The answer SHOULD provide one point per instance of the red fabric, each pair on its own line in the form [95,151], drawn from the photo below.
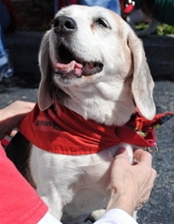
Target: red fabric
[143,128]
[19,203]
[5,141]
[60,130]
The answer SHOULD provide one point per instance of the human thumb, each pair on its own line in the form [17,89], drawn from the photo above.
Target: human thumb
[122,152]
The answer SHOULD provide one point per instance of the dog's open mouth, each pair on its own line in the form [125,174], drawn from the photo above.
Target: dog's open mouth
[68,64]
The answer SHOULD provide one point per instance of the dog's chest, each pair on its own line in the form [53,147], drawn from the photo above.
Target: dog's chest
[75,180]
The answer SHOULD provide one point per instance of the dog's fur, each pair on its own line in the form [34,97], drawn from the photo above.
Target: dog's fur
[78,185]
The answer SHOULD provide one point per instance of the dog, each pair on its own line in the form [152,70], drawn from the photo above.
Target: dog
[94,77]
[155,12]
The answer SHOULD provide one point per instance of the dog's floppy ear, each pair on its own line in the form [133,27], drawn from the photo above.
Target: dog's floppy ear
[142,83]
[44,98]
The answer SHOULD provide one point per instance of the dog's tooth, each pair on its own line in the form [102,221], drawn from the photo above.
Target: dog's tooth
[91,65]
[85,64]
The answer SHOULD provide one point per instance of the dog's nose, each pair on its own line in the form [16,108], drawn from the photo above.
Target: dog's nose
[64,24]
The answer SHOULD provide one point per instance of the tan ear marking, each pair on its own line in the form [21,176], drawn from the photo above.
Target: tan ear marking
[44,98]
[142,83]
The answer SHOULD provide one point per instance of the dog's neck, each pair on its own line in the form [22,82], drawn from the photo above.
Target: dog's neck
[101,105]
[103,112]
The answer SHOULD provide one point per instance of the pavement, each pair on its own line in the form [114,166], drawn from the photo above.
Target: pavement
[160,56]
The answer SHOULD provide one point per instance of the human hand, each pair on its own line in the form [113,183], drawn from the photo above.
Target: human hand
[131,185]
[11,116]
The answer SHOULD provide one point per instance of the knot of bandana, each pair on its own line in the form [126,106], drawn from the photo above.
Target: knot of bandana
[140,131]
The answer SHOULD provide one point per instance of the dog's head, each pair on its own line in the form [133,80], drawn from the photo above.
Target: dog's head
[93,56]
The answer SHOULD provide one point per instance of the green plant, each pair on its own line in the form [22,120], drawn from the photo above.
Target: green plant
[162,29]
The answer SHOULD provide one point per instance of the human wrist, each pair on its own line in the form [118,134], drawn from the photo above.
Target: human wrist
[3,128]
[6,123]
[122,200]
[4,115]
[2,112]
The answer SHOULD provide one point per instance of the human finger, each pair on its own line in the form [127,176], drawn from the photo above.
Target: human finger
[143,156]
[13,133]
[121,157]
[119,166]
[120,150]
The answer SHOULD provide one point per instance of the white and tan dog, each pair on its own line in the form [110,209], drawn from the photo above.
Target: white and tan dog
[94,65]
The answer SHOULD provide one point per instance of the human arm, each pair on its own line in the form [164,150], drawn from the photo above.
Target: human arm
[123,201]
[21,204]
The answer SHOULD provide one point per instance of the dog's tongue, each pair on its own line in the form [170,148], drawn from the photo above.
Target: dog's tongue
[72,66]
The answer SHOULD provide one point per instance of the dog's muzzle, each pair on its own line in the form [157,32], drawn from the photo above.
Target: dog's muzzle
[64,24]
[68,64]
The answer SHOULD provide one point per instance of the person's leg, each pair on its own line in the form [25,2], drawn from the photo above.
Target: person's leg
[2,47]
[5,21]
[4,16]
[5,65]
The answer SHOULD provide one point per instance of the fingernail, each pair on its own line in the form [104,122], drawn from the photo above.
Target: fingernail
[120,150]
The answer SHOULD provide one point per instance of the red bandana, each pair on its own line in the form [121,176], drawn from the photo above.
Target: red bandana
[60,130]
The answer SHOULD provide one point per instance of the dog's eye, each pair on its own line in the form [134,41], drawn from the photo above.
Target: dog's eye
[102,22]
